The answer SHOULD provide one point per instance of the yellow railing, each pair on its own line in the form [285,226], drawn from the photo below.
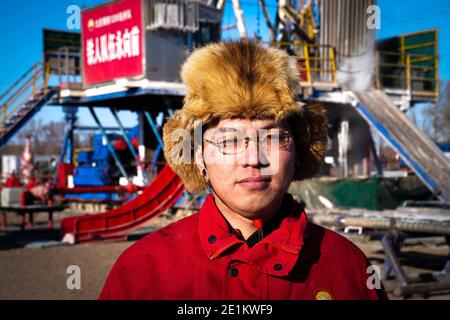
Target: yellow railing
[66,66]
[315,63]
[26,88]
[407,71]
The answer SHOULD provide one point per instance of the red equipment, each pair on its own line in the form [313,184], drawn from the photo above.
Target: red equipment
[12,181]
[159,196]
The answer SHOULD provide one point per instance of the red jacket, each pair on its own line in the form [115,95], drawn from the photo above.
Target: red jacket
[199,257]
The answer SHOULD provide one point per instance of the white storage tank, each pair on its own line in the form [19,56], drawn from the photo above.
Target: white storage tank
[10,164]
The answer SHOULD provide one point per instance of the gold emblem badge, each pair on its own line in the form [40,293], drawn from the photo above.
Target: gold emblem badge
[323,295]
[90,24]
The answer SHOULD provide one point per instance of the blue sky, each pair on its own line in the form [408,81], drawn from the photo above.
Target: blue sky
[22,23]
[397,17]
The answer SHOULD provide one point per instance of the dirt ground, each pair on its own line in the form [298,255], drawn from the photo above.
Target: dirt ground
[34,267]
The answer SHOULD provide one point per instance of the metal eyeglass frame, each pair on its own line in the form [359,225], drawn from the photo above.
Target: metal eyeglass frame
[287,133]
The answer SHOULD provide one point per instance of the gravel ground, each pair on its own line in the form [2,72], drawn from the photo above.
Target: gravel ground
[38,272]
[41,273]
[33,264]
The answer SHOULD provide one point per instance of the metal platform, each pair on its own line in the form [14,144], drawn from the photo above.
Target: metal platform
[123,93]
[392,228]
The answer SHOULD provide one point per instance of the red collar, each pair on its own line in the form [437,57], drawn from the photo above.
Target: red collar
[280,248]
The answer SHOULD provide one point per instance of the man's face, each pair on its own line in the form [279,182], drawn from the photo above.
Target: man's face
[251,177]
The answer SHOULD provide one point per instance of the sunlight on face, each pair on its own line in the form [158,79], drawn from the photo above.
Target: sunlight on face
[249,176]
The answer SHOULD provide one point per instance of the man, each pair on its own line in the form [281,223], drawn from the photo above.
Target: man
[242,135]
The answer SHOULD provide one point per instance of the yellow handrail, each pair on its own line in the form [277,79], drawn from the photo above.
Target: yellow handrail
[403,69]
[46,77]
[333,66]
[308,67]
[317,62]
[408,73]
[24,89]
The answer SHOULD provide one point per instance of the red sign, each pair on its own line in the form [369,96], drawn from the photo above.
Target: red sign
[112,41]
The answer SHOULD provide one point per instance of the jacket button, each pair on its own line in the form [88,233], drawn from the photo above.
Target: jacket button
[212,239]
[278,267]
[233,272]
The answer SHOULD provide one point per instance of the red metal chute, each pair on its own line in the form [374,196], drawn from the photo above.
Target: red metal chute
[159,196]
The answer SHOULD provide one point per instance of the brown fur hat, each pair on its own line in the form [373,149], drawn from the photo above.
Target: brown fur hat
[242,79]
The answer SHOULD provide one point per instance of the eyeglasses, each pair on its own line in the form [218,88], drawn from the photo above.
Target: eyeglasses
[234,143]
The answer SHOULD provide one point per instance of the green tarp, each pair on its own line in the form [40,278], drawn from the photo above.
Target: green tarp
[373,193]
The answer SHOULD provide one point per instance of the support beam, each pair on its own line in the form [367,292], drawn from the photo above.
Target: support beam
[190,42]
[153,127]
[220,4]
[125,136]
[70,116]
[283,23]
[291,15]
[108,143]
[267,18]
[87,128]
[239,14]
[421,288]
[377,161]
[388,243]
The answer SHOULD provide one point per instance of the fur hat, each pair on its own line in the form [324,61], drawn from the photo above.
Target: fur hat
[242,79]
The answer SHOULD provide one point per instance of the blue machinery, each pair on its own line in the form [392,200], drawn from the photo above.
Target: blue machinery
[108,143]
[94,167]
[125,136]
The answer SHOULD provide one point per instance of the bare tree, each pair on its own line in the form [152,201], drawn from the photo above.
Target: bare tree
[45,138]
[440,115]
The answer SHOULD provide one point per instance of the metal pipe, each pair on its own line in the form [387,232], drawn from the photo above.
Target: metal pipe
[130,188]
[378,163]
[124,134]
[239,14]
[262,4]
[154,128]
[426,287]
[64,149]
[87,128]
[67,151]
[190,42]
[155,157]
[108,143]
[387,243]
